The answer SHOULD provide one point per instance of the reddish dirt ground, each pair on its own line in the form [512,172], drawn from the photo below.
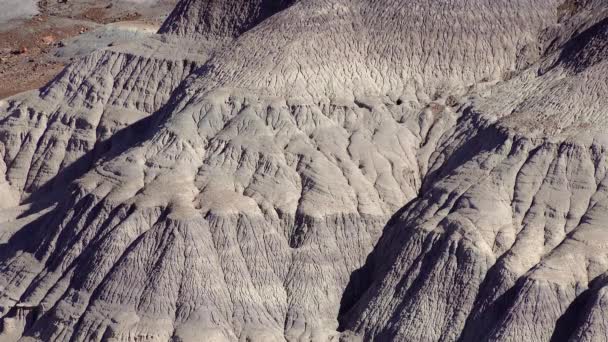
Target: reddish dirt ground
[25,45]
[23,50]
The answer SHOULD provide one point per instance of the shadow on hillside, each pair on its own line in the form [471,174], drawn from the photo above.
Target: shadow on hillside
[401,227]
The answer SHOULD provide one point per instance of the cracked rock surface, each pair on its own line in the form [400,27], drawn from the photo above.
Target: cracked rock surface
[316,170]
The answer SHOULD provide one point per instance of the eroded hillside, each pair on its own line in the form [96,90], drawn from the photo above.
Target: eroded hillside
[315,170]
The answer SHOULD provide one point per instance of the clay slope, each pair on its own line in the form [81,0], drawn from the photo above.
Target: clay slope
[219,19]
[506,241]
[175,190]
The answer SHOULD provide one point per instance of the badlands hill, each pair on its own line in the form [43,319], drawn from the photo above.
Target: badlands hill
[316,170]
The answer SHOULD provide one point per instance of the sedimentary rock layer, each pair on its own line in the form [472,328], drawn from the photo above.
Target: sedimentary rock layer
[316,170]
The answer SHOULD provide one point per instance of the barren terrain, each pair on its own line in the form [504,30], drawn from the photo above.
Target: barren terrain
[32,33]
[312,170]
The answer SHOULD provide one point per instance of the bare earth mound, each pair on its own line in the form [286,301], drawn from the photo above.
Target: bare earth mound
[316,170]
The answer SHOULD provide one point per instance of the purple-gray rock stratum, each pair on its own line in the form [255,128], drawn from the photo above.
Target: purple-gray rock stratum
[316,170]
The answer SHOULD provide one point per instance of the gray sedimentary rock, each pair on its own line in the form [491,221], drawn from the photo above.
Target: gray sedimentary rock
[508,241]
[228,179]
[220,19]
